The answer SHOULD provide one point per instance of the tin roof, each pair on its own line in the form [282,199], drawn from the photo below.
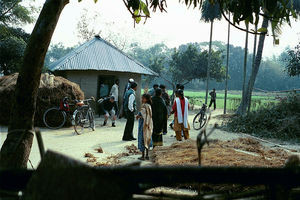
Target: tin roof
[98,54]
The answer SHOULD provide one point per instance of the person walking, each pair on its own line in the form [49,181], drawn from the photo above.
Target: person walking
[213,97]
[159,115]
[167,100]
[145,126]
[180,110]
[152,90]
[129,109]
[109,108]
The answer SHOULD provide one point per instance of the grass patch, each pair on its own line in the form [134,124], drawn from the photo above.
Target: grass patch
[281,120]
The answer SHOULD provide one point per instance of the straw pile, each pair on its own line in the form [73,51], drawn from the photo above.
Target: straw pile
[239,152]
[49,95]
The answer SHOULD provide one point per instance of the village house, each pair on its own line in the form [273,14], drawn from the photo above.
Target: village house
[96,64]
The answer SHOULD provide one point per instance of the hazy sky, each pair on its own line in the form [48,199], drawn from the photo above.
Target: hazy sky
[180,25]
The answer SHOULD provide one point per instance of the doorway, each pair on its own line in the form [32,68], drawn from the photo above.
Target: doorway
[104,85]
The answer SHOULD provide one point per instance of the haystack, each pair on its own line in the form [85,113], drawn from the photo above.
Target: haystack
[51,92]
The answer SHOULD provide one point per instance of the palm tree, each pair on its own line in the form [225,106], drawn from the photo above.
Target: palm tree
[210,12]
[227,63]
[258,57]
[245,69]
[253,62]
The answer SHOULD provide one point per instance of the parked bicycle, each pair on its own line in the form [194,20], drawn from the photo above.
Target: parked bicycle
[201,118]
[82,117]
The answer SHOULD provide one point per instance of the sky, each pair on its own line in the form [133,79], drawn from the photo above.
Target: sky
[178,26]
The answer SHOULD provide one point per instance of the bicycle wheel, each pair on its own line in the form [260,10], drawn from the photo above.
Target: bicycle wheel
[92,120]
[199,120]
[54,118]
[79,122]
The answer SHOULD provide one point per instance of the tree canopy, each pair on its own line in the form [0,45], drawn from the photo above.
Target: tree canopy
[250,11]
[12,12]
[293,61]
[192,63]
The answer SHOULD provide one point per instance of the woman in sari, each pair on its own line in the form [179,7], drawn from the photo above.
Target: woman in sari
[145,126]
[160,114]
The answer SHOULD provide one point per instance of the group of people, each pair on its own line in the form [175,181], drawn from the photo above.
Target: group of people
[153,114]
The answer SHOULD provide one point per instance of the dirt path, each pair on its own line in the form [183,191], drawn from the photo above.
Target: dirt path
[109,138]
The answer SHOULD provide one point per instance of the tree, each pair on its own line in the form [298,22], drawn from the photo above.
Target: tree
[292,6]
[86,31]
[12,12]
[191,64]
[155,57]
[55,52]
[16,148]
[210,12]
[12,39]
[227,65]
[293,61]
[243,105]
[12,49]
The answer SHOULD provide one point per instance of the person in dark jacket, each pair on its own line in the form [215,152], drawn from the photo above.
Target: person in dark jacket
[109,108]
[159,115]
[213,97]
[152,90]
[129,109]
[167,100]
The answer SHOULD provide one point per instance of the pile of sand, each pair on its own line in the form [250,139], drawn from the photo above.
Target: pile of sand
[49,95]
[239,152]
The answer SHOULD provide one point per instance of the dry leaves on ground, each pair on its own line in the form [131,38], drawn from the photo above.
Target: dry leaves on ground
[239,152]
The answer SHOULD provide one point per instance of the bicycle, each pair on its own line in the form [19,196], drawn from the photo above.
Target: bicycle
[84,117]
[56,117]
[201,118]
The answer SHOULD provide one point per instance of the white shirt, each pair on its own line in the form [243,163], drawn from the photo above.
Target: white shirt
[115,92]
[131,101]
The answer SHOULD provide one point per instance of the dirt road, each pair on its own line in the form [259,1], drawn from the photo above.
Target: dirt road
[109,138]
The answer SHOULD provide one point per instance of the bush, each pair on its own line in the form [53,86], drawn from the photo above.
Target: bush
[281,120]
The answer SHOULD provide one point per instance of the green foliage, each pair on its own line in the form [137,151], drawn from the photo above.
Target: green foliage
[250,11]
[191,64]
[155,57]
[210,11]
[12,49]
[12,12]
[12,46]
[281,120]
[293,61]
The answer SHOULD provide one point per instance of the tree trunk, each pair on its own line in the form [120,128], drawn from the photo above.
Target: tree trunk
[243,106]
[254,72]
[209,58]
[253,62]
[17,146]
[227,65]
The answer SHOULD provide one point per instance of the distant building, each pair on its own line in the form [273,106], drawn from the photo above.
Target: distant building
[96,64]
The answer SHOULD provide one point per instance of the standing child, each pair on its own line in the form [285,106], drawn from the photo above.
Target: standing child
[145,126]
